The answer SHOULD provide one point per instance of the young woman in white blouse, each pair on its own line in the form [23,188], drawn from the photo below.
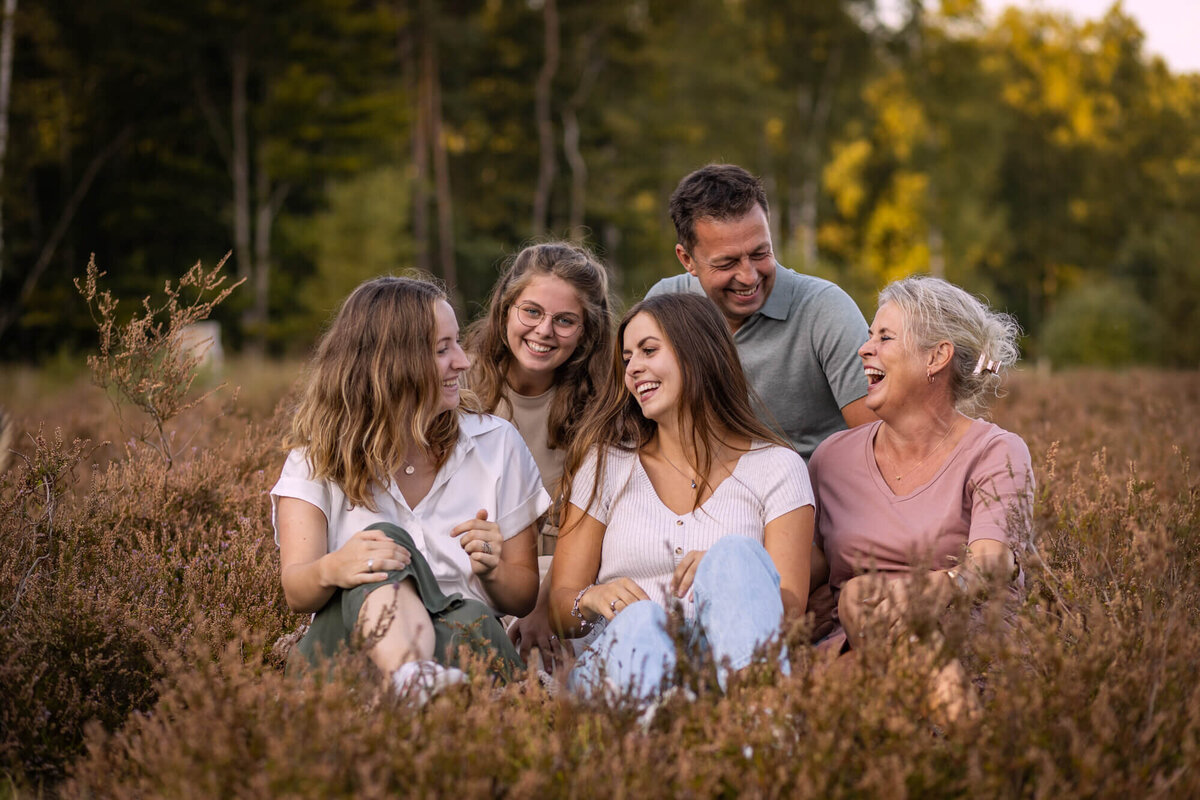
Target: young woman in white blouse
[400,515]
[678,494]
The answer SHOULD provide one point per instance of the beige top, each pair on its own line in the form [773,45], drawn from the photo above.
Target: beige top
[530,415]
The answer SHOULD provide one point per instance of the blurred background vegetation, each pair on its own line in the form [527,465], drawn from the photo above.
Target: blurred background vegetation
[1049,164]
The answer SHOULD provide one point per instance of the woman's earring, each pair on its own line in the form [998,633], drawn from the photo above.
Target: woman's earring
[929,374]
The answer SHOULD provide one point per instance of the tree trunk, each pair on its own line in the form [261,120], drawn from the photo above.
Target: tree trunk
[545,125]
[816,108]
[441,163]
[937,251]
[239,164]
[579,173]
[9,314]
[270,201]
[414,81]
[592,65]
[6,59]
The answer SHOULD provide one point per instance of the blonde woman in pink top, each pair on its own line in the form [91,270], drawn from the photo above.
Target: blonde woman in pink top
[929,485]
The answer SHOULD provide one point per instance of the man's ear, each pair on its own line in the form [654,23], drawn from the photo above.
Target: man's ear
[685,258]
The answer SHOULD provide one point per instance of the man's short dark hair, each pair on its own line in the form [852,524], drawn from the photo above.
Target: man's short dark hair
[718,191]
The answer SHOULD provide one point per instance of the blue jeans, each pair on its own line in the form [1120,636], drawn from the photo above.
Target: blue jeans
[738,611]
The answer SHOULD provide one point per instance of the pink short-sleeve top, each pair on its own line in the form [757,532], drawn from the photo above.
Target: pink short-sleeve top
[982,491]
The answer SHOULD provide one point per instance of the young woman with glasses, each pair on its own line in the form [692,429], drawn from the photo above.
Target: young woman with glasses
[539,355]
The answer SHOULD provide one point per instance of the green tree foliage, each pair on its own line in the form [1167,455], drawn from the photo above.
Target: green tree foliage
[1101,324]
[325,140]
[361,233]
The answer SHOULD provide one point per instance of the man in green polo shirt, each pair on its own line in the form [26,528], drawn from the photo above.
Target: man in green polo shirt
[798,336]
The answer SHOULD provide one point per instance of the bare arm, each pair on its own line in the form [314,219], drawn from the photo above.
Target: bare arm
[576,565]
[890,597]
[789,541]
[513,585]
[508,569]
[534,630]
[856,413]
[818,570]
[310,573]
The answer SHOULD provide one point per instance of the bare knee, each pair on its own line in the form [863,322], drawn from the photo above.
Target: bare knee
[395,626]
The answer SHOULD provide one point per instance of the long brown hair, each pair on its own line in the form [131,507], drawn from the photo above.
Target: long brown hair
[714,397]
[578,378]
[373,388]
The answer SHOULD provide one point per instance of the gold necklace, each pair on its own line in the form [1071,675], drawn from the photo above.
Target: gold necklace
[914,467]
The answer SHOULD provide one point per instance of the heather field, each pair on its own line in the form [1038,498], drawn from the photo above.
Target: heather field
[142,629]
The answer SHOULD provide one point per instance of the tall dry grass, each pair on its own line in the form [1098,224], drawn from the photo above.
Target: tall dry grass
[141,605]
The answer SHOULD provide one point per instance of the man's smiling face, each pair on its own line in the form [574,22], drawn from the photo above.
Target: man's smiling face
[734,262]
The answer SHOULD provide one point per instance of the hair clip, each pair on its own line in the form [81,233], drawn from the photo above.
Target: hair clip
[985,365]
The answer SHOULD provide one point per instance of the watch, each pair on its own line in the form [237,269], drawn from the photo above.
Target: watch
[958,579]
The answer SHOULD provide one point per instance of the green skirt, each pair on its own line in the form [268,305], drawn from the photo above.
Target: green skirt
[456,620]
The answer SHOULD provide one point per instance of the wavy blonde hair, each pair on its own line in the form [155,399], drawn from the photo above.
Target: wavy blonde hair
[373,389]
[579,377]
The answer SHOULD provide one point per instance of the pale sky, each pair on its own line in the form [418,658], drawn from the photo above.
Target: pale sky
[1172,27]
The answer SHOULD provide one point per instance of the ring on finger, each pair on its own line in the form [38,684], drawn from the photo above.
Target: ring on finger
[613,605]
[370,565]
[487,548]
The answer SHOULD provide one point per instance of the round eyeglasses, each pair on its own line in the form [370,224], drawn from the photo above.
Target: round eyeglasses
[531,315]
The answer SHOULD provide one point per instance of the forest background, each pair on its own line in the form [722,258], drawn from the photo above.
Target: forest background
[1049,164]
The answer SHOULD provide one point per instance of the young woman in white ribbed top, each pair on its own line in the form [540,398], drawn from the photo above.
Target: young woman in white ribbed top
[678,494]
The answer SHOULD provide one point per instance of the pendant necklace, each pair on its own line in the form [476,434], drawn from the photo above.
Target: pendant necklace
[409,469]
[913,468]
[677,469]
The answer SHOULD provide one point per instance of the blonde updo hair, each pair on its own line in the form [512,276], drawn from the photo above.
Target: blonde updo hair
[937,310]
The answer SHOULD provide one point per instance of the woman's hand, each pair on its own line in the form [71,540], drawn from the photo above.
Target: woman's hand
[534,633]
[685,573]
[482,541]
[366,557]
[608,599]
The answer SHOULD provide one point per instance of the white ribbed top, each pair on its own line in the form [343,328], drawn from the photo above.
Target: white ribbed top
[645,541]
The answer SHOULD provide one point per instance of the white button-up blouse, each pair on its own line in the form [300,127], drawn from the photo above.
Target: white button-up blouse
[490,468]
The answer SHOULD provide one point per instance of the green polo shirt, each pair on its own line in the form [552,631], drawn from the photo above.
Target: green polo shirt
[800,353]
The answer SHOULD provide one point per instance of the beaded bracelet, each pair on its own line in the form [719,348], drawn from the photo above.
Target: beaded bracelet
[576,613]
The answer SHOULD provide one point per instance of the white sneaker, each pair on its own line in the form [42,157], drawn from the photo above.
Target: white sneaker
[650,711]
[421,680]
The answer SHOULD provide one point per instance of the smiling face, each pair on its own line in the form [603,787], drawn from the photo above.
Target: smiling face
[538,350]
[451,360]
[652,373]
[895,370]
[734,263]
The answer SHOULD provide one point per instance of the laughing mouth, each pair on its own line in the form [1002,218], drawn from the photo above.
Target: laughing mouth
[745,293]
[874,375]
[540,349]
[644,389]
